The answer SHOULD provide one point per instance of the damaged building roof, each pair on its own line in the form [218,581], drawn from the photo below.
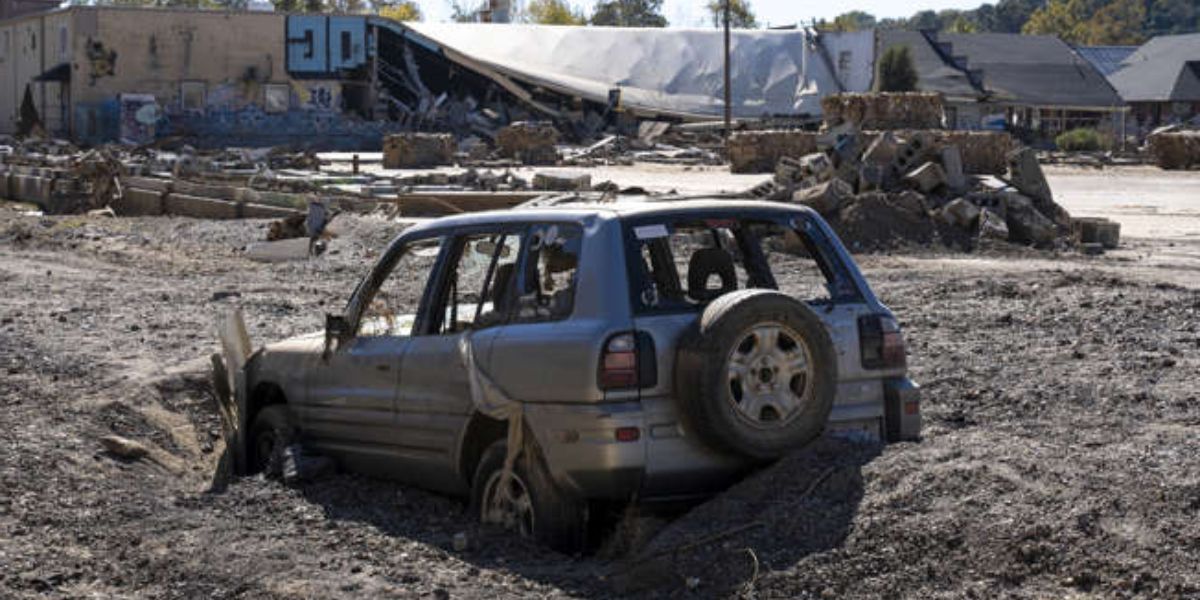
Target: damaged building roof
[936,73]
[1165,69]
[671,72]
[1039,70]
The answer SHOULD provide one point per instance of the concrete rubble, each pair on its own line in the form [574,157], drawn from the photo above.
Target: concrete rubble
[1175,149]
[916,187]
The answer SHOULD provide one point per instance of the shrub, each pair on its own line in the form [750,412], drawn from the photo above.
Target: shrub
[1080,140]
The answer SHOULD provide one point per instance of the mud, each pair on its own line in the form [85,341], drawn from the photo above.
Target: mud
[1061,454]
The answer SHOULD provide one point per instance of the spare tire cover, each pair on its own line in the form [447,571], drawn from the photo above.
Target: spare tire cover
[757,375]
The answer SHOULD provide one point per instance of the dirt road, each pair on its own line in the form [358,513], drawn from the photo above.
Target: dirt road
[1061,455]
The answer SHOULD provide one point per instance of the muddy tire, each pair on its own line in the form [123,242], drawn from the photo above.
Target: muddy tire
[757,376]
[540,508]
[269,435]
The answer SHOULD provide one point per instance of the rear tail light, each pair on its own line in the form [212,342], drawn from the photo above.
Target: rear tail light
[881,343]
[628,362]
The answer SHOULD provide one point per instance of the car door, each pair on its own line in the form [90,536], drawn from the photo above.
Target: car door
[351,410]
[434,401]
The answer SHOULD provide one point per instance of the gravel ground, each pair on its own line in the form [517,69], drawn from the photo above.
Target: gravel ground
[1061,455]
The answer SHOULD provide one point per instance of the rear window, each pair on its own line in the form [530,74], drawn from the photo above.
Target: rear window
[680,264]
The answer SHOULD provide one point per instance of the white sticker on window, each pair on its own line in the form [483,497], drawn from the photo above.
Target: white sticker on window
[650,232]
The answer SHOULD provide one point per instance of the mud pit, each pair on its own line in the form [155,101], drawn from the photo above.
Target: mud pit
[1061,454]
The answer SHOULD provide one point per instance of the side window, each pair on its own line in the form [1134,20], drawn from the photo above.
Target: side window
[550,273]
[393,309]
[791,257]
[478,284]
[686,265]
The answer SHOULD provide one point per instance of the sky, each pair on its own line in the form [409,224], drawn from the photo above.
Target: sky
[691,13]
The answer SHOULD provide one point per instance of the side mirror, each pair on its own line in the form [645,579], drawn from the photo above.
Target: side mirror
[337,329]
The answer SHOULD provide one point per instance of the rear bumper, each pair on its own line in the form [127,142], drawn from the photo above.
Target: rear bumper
[581,449]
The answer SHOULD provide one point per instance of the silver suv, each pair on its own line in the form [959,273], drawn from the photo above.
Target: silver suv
[644,351]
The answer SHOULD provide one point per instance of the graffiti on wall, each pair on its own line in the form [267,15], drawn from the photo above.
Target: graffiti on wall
[102,61]
[139,115]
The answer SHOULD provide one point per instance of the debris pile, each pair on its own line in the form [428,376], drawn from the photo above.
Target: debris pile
[531,142]
[892,189]
[886,110]
[1175,149]
[760,151]
[418,150]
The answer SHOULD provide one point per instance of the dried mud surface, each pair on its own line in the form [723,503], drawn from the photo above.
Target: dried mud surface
[1061,454]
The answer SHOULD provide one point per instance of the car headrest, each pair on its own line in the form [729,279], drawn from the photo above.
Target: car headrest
[705,263]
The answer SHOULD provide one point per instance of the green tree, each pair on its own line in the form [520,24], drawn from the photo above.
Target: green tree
[1119,23]
[741,16]
[925,20]
[629,13]
[405,10]
[962,24]
[896,71]
[552,12]
[855,20]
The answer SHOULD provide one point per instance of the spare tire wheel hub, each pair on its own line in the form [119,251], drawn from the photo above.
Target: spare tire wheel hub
[770,374]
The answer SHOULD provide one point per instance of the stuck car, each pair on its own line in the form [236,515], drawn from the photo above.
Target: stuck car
[542,359]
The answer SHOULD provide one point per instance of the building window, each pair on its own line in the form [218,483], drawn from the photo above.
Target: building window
[276,98]
[844,63]
[191,96]
[62,43]
[347,53]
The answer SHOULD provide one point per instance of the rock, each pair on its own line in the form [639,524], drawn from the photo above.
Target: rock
[825,198]
[223,294]
[1025,224]
[553,182]
[927,178]
[960,212]
[992,226]
[418,150]
[531,142]
[1026,175]
[952,164]
[124,447]
[910,201]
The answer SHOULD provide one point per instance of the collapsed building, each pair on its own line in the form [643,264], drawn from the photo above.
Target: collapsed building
[114,74]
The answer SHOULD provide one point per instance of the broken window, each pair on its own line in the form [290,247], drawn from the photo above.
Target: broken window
[276,98]
[551,267]
[478,285]
[347,51]
[191,96]
[392,310]
[679,266]
[844,58]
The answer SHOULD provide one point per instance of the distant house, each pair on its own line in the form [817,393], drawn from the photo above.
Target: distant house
[1034,84]
[1161,80]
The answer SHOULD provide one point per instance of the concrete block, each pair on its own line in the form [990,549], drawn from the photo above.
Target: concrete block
[952,164]
[1096,230]
[961,212]
[884,110]
[882,151]
[825,198]
[927,178]
[910,202]
[562,182]
[1026,175]
[760,151]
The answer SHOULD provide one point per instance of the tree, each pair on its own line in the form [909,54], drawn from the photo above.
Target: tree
[962,24]
[925,20]
[897,72]
[629,13]
[552,12]
[855,20]
[405,10]
[740,14]
[463,13]
[1117,24]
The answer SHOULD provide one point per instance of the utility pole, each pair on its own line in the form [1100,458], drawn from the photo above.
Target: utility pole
[728,92]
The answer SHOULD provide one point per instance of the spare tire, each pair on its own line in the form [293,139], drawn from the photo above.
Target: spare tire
[758,374]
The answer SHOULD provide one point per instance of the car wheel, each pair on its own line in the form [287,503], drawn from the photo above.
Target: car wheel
[270,434]
[535,507]
[758,375]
